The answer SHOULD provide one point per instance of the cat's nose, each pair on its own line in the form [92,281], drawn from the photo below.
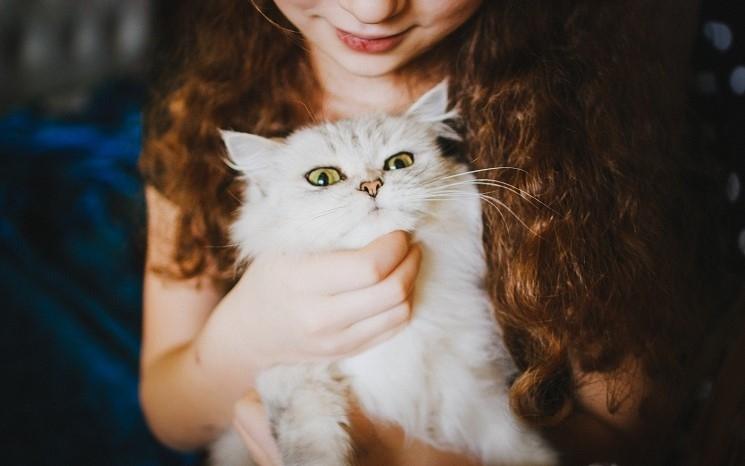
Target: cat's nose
[371,187]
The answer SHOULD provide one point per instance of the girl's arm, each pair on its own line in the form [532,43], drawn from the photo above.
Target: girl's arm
[201,349]
[593,433]
[185,401]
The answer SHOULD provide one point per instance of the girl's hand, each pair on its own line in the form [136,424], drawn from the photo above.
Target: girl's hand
[252,424]
[373,444]
[317,307]
[326,306]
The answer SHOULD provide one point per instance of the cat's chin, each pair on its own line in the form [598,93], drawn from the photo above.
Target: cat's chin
[377,222]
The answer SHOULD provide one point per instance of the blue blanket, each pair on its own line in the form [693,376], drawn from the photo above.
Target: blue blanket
[72,240]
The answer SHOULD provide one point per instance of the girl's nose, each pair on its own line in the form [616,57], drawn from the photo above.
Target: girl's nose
[373,11]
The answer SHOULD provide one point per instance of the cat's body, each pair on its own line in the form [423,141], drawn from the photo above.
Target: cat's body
[443,378]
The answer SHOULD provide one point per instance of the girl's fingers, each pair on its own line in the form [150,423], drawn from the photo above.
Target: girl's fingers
[256,452]
[387,335]
[252,424]
[364,332]
[343,271]
[356,306]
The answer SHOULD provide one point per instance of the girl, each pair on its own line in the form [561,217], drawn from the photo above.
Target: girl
[594,294]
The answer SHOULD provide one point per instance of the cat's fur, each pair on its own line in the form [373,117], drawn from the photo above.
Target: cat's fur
[443,378]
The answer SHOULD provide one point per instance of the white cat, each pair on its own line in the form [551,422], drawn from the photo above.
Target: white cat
[443,378]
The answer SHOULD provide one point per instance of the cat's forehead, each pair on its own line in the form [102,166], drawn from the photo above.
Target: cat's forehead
[365,137]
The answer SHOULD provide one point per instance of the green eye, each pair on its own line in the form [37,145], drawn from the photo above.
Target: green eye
[400,160]
[324,176]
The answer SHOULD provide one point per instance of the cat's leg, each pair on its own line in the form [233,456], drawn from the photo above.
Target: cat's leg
[498,436]
[475,415]
[505,440]
[307,407]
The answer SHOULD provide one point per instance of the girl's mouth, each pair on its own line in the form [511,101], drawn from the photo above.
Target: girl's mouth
[370,44]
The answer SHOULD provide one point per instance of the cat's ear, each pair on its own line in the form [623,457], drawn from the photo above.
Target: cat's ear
[433,105]
[247,153]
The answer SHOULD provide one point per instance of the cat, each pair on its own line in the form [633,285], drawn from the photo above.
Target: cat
[443,378]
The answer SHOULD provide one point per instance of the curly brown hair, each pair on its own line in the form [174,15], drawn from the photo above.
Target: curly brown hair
[581,95]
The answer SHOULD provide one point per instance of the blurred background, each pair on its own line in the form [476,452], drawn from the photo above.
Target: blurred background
[72,84]
[73,78]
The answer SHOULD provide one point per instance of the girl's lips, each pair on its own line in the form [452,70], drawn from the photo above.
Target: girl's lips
[370,44]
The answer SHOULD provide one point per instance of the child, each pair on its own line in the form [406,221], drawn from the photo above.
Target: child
[581,289]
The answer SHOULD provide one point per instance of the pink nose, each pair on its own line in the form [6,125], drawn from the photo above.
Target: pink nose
[371,187]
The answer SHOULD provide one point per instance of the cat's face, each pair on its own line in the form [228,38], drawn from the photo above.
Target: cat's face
[343,184]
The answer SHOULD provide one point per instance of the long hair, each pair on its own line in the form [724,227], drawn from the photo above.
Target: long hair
[577,95]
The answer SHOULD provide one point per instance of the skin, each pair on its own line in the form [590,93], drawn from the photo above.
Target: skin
[203,346]
[358,82]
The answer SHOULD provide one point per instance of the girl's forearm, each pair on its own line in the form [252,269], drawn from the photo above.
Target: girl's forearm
[179,401]
[188,394]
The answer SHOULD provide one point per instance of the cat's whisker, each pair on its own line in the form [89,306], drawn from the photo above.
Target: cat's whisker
[440,179]
[439,194]
[517,217]
[502,184]
[223,246]
[496,203]
[326,212]
[458,195]
[453,191]
[511,188]
[491,182]
[480,171]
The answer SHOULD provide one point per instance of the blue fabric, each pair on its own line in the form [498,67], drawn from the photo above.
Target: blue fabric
[71,237]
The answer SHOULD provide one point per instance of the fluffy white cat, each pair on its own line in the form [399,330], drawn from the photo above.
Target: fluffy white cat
[443,379]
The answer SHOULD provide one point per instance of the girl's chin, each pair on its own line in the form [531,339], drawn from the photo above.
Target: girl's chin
[369,66]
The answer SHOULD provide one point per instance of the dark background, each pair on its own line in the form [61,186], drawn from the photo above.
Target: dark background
[72,83]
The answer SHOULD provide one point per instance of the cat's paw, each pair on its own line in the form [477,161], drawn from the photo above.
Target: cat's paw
[322,441]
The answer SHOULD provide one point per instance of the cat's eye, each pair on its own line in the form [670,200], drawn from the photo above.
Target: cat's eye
[398,161]
[325,176]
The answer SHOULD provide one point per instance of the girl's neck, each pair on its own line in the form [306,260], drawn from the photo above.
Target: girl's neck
[345,95]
